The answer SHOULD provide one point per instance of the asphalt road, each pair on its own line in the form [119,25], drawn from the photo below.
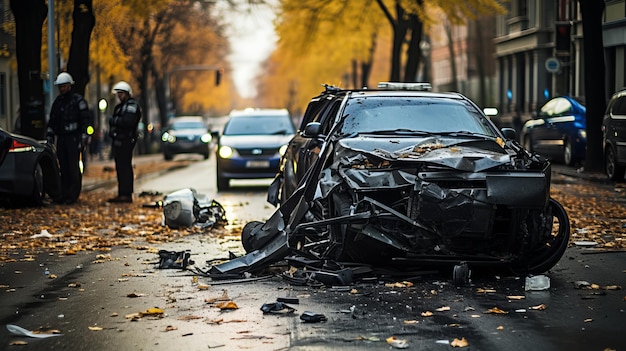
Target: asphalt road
[97,302]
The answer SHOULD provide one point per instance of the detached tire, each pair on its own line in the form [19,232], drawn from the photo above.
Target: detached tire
[548,253]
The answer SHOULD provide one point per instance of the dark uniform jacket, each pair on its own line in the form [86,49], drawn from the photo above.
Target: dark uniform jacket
[123,124]
[69,114]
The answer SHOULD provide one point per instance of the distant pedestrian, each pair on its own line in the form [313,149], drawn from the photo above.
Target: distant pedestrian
[68,124]
[123,132]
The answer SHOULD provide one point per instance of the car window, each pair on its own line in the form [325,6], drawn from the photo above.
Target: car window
[312,113]
[562,107]
[365,115]
[548,109]
[619,108]
[328,116]
[188,125]
[259,125]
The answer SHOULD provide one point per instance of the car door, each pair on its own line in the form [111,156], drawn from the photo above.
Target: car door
[618,127]
[549,138]
[310,153]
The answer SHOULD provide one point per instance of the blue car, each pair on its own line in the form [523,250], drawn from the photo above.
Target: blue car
[558,131]
[251,144]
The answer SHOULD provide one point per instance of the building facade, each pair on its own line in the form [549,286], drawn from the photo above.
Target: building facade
[539,54]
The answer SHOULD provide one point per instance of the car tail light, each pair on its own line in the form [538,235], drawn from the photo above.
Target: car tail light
[17,146]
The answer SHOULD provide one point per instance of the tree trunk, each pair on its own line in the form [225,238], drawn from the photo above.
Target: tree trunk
[595,90]
[452,54]
[413,51]
[29,18]
[78,63]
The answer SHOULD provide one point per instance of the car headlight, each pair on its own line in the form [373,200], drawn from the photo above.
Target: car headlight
[283,150]
[167,137]
[225,152]
[583,133]
[206,138]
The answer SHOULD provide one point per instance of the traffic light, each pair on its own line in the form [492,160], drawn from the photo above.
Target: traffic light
[562,37]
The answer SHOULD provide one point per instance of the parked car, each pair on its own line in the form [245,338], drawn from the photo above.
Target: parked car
[614,136]
[251,144]
[558,131]
[403,177]
[186,135]
[29,171]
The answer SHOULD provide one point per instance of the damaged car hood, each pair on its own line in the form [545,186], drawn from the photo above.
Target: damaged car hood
[463,154]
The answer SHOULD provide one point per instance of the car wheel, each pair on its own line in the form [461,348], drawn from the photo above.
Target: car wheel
[613,170]
[248,239]
[568,157]
[167,156]
[38,187]
[206,155]
[552,244]
[223,183]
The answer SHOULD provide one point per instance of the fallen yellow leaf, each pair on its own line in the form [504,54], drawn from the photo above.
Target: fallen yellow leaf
[228,305]
[459,343]
[538,307]
[496,310]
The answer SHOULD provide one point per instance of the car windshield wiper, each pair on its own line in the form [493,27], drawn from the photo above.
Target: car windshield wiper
[280,132]
[401,131]
[463,133]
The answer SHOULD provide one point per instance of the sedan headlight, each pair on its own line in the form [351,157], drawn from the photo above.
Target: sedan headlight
[206,138]
[167,137]
[225,152]
[282,150]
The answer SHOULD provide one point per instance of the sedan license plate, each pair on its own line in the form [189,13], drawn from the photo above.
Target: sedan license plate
[257,164]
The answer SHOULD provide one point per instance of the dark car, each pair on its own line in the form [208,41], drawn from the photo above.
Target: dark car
[186,135]
[400,177]
[251,144]
[614,136]
[558,131]
[29,171]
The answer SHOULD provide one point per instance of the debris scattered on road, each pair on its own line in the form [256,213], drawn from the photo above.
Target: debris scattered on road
[17,330]
[186,208]
[312,317]
[398,343]
[277,308]
[537,282]
[175,259]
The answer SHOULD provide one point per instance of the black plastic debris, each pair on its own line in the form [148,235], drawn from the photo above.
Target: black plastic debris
[175,259]
[312,317]
[293,300]
[277,308]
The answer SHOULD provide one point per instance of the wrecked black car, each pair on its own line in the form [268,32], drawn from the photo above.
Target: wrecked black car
[403,177]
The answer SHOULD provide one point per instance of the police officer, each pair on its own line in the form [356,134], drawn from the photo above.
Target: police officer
[123,131]
[68,123]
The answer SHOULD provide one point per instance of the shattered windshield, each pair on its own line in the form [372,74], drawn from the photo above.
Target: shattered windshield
[407,115]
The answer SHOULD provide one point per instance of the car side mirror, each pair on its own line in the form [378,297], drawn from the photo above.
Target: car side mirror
[312,130]
[509,133]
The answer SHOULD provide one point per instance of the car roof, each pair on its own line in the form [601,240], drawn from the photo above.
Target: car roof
[259,112]
[387,89]
[187,118]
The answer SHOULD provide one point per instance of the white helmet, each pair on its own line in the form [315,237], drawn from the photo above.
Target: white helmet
[123,86]
[64,78]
